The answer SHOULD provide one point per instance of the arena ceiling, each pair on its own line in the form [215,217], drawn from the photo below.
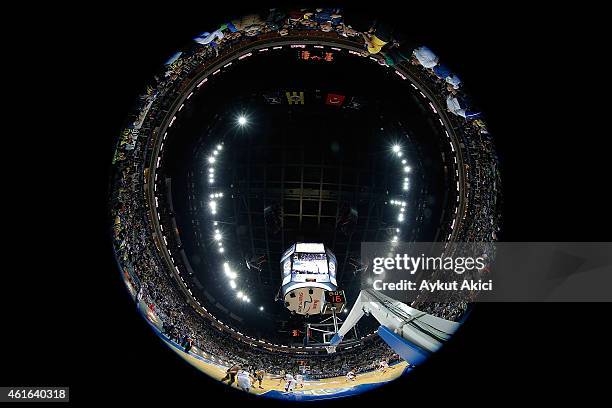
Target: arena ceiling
[314,161]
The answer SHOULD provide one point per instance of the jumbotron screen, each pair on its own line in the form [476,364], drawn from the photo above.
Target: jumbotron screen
[309,259]
[309,263]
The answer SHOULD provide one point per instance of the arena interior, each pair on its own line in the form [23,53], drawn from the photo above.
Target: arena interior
[285,127]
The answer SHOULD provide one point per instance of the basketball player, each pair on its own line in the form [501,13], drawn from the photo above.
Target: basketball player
[299,380]
[350,376]
[382,366]
[244,380]
[259,376]
[289,383]
[139,297]
[230,374]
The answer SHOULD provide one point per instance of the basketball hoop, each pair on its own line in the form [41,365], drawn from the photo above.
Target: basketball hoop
[330,349]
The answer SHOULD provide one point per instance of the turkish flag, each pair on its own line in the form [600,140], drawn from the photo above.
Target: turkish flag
[334,99]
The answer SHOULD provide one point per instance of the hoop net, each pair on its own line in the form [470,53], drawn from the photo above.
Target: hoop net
[330,349]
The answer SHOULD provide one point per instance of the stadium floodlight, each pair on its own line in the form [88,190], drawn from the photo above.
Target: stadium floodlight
[239,294]
[261,308]
[221,250]
[228,272]
[396,148]
[218,236]
[404,161]
[400,218]
[232,284]
[219,147]
[242,120]
[407,169]
[211,159]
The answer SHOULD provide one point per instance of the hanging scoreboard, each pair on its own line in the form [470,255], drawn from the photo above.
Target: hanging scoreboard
[308,273]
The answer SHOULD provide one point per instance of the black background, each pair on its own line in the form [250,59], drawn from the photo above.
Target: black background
[66,317]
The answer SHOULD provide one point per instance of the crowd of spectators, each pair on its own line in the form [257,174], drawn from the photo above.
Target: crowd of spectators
[481,220]
[136,250]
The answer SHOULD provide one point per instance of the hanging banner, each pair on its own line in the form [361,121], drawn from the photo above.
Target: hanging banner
[295,98]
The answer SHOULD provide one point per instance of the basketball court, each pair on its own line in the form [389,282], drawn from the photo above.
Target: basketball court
[327,388]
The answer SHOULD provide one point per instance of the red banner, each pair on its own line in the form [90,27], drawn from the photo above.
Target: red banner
[334,99]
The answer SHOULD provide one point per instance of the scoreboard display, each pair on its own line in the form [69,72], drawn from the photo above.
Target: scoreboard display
[309,262]
[308,271]
[316,55]
[336,296]
[334,299]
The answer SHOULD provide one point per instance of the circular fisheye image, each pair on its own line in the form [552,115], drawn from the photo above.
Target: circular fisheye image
[254,167]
